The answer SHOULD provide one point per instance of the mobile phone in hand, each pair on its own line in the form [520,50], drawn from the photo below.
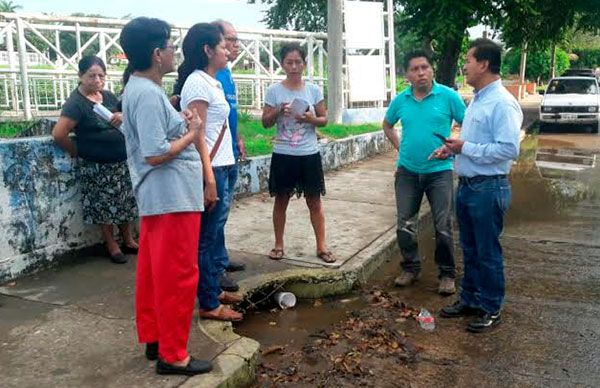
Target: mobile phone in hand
[442,138]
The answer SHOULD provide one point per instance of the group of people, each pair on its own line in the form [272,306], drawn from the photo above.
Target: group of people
[481,157]
[174,163]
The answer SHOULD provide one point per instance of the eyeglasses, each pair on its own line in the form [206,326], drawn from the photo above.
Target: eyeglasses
[169,46]
[232,39]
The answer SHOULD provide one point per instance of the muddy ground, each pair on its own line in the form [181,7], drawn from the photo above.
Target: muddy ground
[549,336]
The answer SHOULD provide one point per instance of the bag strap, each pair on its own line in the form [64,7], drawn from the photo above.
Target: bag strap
[215,148]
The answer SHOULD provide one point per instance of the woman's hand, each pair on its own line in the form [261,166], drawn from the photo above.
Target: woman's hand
[309,118]
[210,195]
[116,120]
[194,124]
[284,109]
[187,115]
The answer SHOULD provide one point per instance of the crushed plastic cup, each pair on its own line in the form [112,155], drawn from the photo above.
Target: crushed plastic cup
[426,320]
[285,300]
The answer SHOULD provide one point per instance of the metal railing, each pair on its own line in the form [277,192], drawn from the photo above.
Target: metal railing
[28,89]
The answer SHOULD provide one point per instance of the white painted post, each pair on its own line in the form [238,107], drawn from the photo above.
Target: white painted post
[271,61]
[335,44]
[78,40]
[310,66]
[391,47]
[13,69]
[320,59]
[23,67]
[102,52]
[257,89]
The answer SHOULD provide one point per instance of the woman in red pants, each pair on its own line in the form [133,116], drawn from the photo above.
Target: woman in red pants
[167,159]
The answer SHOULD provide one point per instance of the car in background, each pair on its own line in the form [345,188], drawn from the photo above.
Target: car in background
[573,100]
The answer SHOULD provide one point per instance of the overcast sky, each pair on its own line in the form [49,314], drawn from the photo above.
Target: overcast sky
[185,13]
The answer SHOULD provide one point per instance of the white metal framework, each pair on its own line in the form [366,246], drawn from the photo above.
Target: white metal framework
[32,89]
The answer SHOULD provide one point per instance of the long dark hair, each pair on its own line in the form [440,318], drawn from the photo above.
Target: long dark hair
[194,56]
[139,38]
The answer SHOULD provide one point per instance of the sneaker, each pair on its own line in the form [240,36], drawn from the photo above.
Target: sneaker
[484,322]
[446,286]
[458,310]
[405,279]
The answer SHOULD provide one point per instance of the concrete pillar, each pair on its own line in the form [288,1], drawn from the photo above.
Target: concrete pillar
[335,51]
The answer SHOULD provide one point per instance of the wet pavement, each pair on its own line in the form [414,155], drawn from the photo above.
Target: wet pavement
[550,331]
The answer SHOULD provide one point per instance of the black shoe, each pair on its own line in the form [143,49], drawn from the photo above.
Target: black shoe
[228,285]
[194,367]
[118,258]
[235,266]
[152,351]
[126,249]
[485,322]
[458,310]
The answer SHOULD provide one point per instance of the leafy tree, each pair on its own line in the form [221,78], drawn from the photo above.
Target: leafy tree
[9,6]
[538,63]
[298,15]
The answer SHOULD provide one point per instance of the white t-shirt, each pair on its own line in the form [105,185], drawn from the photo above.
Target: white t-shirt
[200,86]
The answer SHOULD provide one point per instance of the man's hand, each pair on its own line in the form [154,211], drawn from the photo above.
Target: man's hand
[455,145]
[441,153]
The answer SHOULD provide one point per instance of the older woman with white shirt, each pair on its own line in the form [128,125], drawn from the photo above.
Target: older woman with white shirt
[204,54]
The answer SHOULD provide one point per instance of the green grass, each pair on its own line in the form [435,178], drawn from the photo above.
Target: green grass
[10,129]
[259,141]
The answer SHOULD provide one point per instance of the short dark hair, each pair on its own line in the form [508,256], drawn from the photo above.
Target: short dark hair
[139,38]
[291,47]
[88,61]
[415,54]
[487,50]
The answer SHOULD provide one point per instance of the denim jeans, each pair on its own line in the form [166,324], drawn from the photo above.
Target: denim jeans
[212,223]
[221,255]
[410,188]
[480,208]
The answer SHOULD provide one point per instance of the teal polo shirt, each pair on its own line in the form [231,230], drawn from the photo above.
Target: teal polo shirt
[420,120]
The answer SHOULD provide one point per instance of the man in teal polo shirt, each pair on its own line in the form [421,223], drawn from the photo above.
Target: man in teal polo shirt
[426,110]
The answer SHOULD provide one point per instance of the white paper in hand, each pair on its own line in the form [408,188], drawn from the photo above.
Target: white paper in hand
[298,107]
[103,112]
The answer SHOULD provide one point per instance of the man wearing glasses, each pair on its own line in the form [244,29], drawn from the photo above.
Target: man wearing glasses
[224,76]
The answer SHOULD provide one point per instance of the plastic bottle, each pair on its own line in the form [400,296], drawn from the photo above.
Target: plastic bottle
[426,320]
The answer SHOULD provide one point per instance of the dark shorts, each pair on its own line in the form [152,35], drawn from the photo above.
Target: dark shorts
[298,175]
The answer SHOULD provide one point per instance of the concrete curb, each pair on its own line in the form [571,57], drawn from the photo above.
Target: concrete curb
[235,366]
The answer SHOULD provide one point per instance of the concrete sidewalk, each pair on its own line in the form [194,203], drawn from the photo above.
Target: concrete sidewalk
[74,325]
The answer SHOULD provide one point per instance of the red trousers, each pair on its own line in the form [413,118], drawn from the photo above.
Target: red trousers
[166,281]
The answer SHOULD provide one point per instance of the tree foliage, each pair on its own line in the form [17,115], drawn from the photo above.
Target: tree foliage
[538,63]
[297,15]
[9,6]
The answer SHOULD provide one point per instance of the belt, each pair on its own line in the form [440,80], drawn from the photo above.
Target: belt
[480,178]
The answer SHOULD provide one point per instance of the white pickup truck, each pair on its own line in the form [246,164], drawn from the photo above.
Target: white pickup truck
[571,100]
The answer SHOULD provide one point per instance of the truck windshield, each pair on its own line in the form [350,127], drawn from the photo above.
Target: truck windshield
[572,86]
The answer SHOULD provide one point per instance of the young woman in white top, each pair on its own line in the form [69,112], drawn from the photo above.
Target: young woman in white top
[204,54]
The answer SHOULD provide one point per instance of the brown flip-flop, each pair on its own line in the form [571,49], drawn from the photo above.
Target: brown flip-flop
[326,256]
[276,254]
